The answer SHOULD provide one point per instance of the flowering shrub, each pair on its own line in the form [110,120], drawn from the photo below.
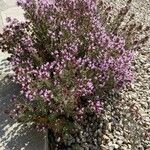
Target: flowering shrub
[66,62]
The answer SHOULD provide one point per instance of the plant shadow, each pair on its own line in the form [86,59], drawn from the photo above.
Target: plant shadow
[15,136]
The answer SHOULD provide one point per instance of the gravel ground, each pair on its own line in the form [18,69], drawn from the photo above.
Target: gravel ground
[131,134]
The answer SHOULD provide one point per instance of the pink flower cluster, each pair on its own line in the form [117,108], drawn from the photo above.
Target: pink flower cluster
[95,106]
[63,53]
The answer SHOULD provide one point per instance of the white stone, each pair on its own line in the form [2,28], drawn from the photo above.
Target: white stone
[15,12]
[120,142]
[3,56]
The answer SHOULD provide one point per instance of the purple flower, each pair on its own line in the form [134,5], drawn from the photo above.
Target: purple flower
[62,56]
